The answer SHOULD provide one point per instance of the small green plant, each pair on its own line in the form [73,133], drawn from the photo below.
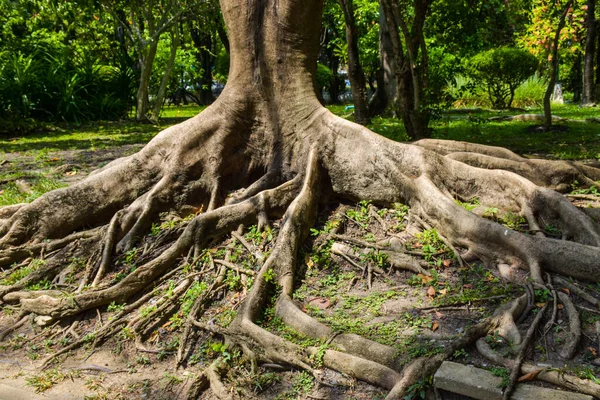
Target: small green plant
[502,373]
[417,390]
[114,307]
[46,380]
[269,276]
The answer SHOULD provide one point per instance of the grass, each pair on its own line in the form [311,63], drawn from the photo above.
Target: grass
[580,141]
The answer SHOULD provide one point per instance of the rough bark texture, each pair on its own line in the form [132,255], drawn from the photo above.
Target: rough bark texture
[590,49]
[553,70]
[267,148]
[410,65]
[356,74]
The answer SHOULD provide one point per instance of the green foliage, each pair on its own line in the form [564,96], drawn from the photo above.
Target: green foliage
[502,373]
[501,71]
[323,77]
[530,92]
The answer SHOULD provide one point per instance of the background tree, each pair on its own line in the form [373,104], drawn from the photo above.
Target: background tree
[411,63]
[590,50]
[145,23]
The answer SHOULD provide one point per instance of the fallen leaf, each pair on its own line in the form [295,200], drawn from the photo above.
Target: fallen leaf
[431,291]
[435,326]
[308,261]
[71,173]
[567,291]
[560,306]
[55,159]
[417,244]
[439,314]
[425,278]
[446,263]
[540,305]
[443,291]
[593,351]
[530,376]
[468,286]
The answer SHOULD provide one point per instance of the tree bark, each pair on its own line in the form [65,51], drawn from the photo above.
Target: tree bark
[356,74]
[160,96]
[386,59]
[411,73]
[204,46]
[146,62]
[554,67]
[590,49]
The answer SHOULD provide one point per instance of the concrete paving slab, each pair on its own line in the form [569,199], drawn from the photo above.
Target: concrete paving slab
[480,384]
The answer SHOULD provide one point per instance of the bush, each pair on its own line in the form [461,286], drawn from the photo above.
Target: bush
[500,71]
[324,77]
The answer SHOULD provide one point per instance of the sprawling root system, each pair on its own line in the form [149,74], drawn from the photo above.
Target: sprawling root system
[154,238]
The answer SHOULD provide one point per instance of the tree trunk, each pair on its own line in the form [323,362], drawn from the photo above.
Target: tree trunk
[553,71]
[266,149]
[204,45]
[411,78]
[356,74]
[590,49]
[160,96]
[386,59]
[146,62]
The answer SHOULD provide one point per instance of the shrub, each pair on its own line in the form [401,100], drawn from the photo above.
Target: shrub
[324,77]
[501,71]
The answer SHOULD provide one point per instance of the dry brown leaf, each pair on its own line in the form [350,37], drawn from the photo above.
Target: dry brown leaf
[425,278]
[540,305]
[593,351]
[468,286]
[435,326]
[439,314]
[71,173]
[443,291]
[308,261]
[530,376]
[560,306]
[446,263]
[431,291]
[567,291]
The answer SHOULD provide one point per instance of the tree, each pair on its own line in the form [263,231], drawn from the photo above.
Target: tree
[356,74]
[144,23]
[553,70]
[410,63]
[590,49]
[265,149]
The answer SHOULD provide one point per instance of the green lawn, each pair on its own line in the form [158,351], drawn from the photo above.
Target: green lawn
[580,141]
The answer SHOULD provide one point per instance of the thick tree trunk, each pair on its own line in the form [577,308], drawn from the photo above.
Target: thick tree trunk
[356,74]
[266,148]
[590,49]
